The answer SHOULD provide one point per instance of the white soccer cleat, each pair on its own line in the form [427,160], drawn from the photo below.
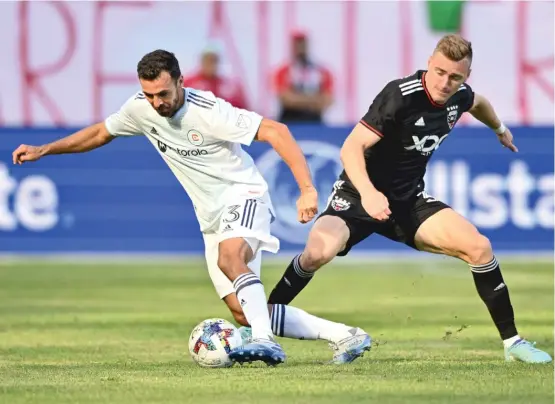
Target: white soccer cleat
[352,347]
[265,350]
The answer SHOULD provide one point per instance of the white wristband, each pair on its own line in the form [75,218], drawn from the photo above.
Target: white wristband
[501,129]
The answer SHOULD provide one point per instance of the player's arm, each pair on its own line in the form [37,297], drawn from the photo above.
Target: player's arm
[120,123]
[282,141]
[241,126]
[352,155]
[361,138]
[483,111]
[84,140]
[378,122]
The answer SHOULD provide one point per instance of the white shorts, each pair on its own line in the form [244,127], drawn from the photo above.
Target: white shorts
[247,218]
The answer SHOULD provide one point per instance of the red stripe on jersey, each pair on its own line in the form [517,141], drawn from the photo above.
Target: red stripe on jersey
[377,132]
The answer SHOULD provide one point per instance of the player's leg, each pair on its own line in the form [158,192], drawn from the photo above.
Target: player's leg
[347,342]
[231,300]
[248,287]
[223,286]
[233,257]
[447,232]
[326,239]
[341,225]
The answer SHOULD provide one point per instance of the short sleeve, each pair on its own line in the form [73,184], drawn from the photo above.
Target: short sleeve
[467,97]
[221,120]
[381,117]
[234,124]
[121,123]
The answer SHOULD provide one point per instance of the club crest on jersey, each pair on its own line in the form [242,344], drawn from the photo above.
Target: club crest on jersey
[195,137]
[452,115]
[338,204]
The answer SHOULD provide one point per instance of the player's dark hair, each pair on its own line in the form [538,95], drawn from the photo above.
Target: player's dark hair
[455,47]
[154,63]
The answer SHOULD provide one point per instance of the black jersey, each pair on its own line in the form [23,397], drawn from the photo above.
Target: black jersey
[412,126]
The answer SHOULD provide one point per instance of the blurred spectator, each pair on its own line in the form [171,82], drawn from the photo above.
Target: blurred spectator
[304,88]
[208,78]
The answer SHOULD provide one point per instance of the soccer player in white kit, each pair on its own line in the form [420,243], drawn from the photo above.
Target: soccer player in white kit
[199,136]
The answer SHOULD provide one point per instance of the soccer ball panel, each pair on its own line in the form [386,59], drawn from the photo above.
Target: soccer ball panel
[211,341]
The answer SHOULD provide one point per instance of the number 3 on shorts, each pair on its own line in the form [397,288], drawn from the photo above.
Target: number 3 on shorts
[232,214]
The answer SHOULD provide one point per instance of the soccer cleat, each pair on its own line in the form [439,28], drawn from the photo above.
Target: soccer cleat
[525,351]
[246,334]
[264,350]
[351,348]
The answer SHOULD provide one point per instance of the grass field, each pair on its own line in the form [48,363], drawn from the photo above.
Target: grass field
[117,333]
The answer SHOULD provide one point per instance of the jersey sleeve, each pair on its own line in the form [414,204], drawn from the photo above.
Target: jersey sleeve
[224,121]
[381,117]
[467,97]
[121,123]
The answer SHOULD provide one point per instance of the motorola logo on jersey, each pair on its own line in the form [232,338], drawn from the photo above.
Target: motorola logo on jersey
[196,152]
[163,147]
[426,145]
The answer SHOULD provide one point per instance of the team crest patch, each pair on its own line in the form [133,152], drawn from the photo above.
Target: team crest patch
[338,204]
[452,116]
[195,137]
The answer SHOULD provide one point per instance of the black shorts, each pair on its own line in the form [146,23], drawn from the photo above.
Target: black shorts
[405,219]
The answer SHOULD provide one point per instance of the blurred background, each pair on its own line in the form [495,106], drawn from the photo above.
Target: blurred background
[314,65]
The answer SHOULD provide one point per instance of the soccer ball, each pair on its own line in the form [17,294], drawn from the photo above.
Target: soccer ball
[211,342]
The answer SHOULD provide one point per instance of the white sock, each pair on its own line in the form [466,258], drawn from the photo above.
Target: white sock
[252,299]
[291,322]
[510,341]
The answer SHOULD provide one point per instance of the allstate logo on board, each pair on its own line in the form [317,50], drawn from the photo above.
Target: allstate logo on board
[325,166]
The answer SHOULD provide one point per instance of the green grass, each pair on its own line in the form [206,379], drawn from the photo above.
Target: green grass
[105,333]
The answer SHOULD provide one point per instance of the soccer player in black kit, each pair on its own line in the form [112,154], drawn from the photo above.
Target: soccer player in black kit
[381,189]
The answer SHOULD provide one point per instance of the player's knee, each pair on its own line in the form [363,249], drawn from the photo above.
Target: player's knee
[232,257]
[230,262]
[314,257]
[479,250]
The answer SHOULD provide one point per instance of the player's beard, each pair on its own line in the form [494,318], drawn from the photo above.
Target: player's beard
[168,112]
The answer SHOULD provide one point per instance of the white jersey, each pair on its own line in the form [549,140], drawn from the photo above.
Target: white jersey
[201,144]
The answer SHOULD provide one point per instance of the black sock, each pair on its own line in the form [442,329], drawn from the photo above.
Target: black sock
[291,283]
[495,294]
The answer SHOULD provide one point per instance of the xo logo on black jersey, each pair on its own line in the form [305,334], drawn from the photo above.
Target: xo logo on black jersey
[427,145]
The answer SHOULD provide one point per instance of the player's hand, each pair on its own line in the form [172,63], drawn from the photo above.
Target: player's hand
[307,205]
[506,139]
[25,153]
[376,205]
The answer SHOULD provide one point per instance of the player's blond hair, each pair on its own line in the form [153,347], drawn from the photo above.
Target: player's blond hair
[454,47]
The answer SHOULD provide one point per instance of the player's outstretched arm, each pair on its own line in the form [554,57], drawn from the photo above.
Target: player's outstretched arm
[483,111]
[280,138]
[86,139]
[352,156]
